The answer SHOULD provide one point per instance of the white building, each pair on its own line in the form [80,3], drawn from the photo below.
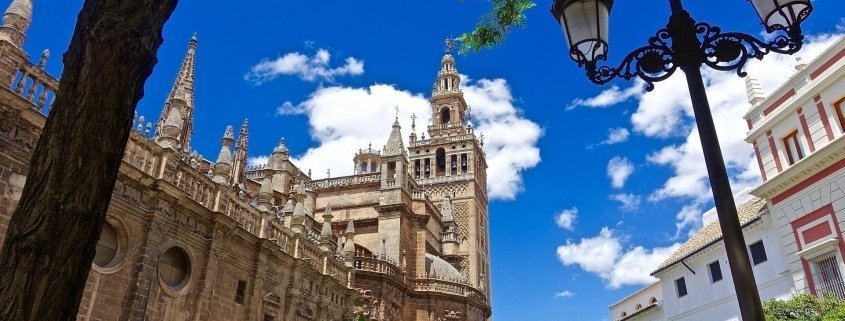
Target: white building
[793,229]
[797,136]
[694,282]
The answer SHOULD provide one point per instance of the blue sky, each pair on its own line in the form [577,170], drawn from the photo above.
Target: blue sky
[592,188]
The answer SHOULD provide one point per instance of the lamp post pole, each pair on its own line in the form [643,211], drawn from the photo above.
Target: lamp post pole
[686,45]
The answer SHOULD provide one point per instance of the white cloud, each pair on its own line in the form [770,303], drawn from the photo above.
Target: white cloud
[564,294]
[257,160]
[629,202]
[510,138]
[614,136]
[667,112]
[566,218]
[618,170]
[609,97]
[344,119]
[307,68]
[604,256]
[688,217]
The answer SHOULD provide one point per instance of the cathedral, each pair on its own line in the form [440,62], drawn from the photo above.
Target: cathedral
[190,237]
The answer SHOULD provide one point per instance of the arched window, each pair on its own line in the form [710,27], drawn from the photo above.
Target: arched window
[653,300]
[373,168]
[363,168]
[445,116]
[624,314]
[440,160]
[638,307]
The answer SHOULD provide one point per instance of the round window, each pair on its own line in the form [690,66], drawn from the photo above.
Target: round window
[174,267]
[107,246]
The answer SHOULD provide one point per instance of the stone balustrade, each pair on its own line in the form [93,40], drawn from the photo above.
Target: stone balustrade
[421,283]
[443,286]
[449,125]
[36,86]
[280,235]
[343,181]
[310,253]
[441,140]
[379,266]
[141,154]
[445,179]
[196,185]
[245,214]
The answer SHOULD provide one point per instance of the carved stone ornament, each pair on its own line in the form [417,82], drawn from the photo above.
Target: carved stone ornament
[304,310]
[452,315]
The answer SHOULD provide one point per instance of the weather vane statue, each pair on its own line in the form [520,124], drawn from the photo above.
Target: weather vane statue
[450,44]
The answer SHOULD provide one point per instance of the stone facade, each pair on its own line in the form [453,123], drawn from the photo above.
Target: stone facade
[191,239]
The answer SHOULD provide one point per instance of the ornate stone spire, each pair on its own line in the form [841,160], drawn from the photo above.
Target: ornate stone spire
[240,160]
[349,244]
[223,167]
[16,21]
[265,194]
[394,144]
[181,98]
[298,216]
[326,231]
[448,107]
[412,137]
[753,90]
[446,209]
[279,156]
[448,80]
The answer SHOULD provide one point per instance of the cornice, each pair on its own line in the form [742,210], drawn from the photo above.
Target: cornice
[800,171]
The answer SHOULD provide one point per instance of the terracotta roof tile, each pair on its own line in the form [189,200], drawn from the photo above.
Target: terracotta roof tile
[712,233]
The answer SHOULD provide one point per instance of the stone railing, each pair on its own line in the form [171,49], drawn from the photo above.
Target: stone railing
[445,126]
[422,283]
[419,195]
[197,185]
[336,269]
[343,181]
[141,154]
[442,286]
[440,140]
[255,172]
[390,182]
[449,237]
[247,216]
[280,235]
[310,253]
[445,179]
[36,86]
[371,264]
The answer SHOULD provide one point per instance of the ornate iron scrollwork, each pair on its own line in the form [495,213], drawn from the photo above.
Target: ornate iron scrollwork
[721,51]
[651,63]
[731,50]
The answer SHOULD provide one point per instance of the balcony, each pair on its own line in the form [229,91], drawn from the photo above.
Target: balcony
[419,284]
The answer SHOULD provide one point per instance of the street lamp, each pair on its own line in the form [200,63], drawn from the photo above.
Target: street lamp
[687,44]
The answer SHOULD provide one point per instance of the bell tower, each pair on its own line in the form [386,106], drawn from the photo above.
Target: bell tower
[448,107]
[450,165]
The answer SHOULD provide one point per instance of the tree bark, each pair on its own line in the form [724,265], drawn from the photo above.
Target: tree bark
[51,239]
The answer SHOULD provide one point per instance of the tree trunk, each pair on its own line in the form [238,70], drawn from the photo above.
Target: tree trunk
[52,235]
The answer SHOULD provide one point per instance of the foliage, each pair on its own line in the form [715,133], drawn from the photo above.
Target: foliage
[493,26]
[805,307]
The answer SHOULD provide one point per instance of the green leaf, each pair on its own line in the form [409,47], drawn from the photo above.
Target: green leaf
[495,25]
